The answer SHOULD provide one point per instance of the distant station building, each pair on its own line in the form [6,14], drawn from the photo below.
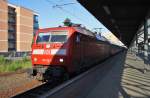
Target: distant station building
[17,27]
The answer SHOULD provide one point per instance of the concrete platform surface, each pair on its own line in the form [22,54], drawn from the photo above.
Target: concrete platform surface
[126,79]
[121,76]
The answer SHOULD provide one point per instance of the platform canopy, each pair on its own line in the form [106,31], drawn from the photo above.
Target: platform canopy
[121,17]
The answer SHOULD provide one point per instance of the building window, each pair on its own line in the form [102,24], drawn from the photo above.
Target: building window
[11,29]
[35,24]
[35,18]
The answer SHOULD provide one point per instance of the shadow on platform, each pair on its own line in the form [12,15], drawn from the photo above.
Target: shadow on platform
[116,79]
[141,56]
[133,67]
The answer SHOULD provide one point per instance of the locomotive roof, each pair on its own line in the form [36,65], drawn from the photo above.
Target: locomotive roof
[84,31]
[78,29]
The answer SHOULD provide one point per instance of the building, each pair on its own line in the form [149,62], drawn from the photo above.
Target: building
[17,27]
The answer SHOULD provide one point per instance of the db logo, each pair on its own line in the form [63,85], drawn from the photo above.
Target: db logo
[47,51]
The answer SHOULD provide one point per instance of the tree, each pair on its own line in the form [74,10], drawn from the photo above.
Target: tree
[67,22]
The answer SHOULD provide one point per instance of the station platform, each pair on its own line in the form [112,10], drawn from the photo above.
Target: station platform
[121,76]
[126,79]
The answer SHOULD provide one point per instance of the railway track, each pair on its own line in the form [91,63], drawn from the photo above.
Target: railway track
[38,91]
[50,88]
[46,88]
[14,83]
[5,74]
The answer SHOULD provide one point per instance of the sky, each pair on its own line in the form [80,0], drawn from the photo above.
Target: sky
[52,16]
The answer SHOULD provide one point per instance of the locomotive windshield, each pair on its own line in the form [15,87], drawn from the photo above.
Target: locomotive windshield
[43,37]
[52,37]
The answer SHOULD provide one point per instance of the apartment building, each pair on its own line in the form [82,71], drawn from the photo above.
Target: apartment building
[17,27]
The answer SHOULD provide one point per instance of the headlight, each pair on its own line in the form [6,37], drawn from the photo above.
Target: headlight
[34,59]
[61,60]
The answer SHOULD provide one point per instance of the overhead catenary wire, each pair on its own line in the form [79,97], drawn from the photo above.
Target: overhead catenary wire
[60,6]
[54,5]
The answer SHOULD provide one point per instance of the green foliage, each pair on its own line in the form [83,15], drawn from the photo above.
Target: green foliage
[25,59]
[9,65]
[2,60]
[67,22]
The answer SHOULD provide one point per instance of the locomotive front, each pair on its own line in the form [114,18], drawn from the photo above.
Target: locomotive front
[49,53]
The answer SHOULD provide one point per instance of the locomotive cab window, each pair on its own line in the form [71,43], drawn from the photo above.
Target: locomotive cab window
[58,38]
[43,38]
[54,37]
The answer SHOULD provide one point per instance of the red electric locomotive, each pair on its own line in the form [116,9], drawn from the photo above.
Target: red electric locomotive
[63,51]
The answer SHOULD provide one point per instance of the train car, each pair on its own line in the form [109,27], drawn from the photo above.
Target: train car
[63,51]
